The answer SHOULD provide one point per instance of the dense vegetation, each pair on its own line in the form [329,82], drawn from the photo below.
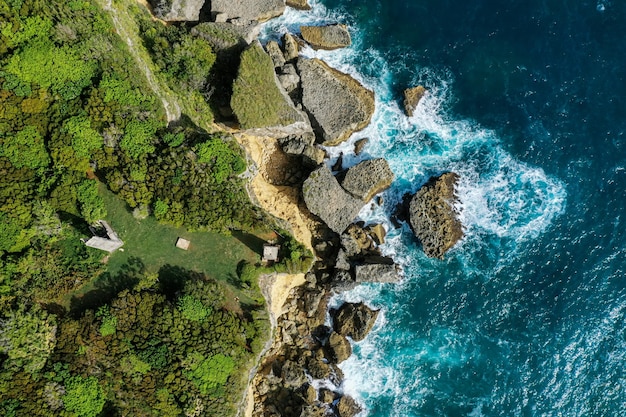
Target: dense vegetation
[76,116]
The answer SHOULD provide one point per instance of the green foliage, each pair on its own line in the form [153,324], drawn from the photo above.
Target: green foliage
[83,396]
[193,309]
[91,204]
[85,140]
[210,373]
[173,140]
[25,149]
[108,325]
[138,138]
[123,92]
[220,156]
[256,100]
[27,337]
[31,27]
[160,209]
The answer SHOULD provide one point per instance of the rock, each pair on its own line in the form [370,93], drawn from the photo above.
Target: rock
[326,396]
[376,272]
[273,50]
[338,348]
[342,262]
[289,78]
[432,216]
[313,411]
[326,37]
[377,232]
[259,10]
[325,198]
[302,144]
[348,407]
[258,100]
[310,395]
[293,375]
[312,300]
[368,178]
[299,4]
[412,97]
[224,36]
[359,145]
[354,320]
[338,165]
[342,281]
[318,369]
[355,241]
[290,47]
[337,103]
[177,10]
[221,18]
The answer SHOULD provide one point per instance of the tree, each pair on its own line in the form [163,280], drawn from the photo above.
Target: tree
[210,373]
[85,140]
[25,149]
[91,204]
[192,308]
[83,396]
[137,139]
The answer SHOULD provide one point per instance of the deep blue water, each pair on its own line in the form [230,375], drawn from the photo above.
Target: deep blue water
[527,101]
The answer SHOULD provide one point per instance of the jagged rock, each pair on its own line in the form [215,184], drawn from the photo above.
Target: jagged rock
[326,37]
[354,320]
[313,411]
[293,374]
[177,10]
[325,198]
[302,144]
[342,262]
[376,272]
[299,4]
[337,103]
[312,301]
[359,145]
[348,407]
[338,348]
[220,18]
[377,233]
[342,281]
[318,369]
[368,178]
[289,78]
[273,50]
[290,47]
[432,216]
[327,396]
[310,395]
[258,100]
[355,241]
[412,97]
[338,165]
[260,10]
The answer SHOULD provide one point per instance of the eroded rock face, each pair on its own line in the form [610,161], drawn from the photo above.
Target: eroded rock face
[260,10]
[338,103]
[376,272]
[368,178]
[177,10]
[291,48]
[326,37]
[412,97]
[299,4]
[354,320]
[348,407]
[338,347]
[432,216]
[325,198]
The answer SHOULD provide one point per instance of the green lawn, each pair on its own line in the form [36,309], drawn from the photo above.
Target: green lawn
[214,254]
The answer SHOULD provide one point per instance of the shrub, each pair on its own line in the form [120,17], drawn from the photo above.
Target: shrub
[83,396]
[192,308]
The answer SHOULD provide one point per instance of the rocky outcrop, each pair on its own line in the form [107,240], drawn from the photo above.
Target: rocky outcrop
[354,320]
[177,10]
[359,145]
[433,217]
[299,4]
[326,37]
[259,10]
[337,104]
[274,51]
[338,347]
[325,198]
[290,47]
[376,272]
[412,97]
[304,145]
[347,407]
[376,232]
[368,178]
[356,242]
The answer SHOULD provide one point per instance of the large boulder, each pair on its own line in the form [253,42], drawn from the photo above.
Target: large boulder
[258,100]
[368,178]
[291,49]
[338,104]
[432,215]
[259,10]
[376,272]
[354,320]
[325,198]
[299,4]
[355,241]
[412,97]
[338,347]
[348,407]
[177,10]
[326,37]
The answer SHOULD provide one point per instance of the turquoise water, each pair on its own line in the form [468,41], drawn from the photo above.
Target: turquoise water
[527,101]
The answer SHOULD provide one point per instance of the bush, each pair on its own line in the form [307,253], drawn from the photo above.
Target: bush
[83,396]
[193,309]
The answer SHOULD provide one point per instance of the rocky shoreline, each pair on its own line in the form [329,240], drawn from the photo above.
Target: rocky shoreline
[288,109]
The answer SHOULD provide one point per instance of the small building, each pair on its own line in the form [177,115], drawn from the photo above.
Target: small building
[270,253]
[109,242]
[182,243]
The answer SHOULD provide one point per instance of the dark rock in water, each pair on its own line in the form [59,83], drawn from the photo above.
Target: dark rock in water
[376,232]
[338,348]
[325,198]
[376,272]
[401,213]
[359,145]
[299,4]
[342,281]
[337,103]
[348,407]
[433,217]
[327,396]
[368,178]
[354,320]
[260,10]
[338,165]
[290,47]
[412,97]
[326,37]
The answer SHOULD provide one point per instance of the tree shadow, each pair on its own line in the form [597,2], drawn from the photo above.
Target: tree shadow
[107,286]
[172,279]
[253,242]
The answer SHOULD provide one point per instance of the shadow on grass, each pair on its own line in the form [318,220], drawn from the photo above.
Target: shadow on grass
[254,243]
[107,286]
[173,278]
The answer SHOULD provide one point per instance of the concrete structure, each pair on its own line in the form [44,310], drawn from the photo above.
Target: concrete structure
[110,242]
[270,253]
[182,243]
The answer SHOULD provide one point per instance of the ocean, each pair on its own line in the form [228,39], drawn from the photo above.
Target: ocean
[527,102]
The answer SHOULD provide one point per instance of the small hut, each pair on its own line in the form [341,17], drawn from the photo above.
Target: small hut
[270,253]
[182,243]
[109,242]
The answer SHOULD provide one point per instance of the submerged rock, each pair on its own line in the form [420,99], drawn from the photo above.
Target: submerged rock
[338,104]
[433,217]
[412,97]
[325,198]
[368,178]
[326,37]
[354,320]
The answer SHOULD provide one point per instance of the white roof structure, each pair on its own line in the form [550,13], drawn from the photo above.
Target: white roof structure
[270,253]
[110,243]
[182,243]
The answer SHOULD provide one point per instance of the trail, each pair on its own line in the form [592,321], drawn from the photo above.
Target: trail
[120,17]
